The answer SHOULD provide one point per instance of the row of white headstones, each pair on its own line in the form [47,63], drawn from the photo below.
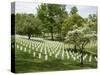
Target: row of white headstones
[50,48]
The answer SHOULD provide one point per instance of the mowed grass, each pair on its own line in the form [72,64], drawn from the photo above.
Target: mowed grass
[25,62]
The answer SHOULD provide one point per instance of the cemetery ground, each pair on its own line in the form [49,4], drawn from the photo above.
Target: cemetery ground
[39,54]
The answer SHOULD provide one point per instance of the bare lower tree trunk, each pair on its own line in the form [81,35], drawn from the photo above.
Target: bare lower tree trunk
[75,47]
[29,36]
[44,35]
[52,36]
[82,57]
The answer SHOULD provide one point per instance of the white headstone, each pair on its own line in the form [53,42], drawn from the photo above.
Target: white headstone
[17,46]
[90,58]
[56,55]
[46,57]
[33,48]
[50,54]
[24,49]
[62,57]
[84,57]
[39,55]
[95,58]
[30,46]
[74,58]
[67,54]
[21,48]
[34,54]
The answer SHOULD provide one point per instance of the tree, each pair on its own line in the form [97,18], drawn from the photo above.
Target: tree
[28,24]
[59,23]
[70,21]
[80,37]
[74,10]
[19,21]
[32,26]
[28,27]
[92,21]
[51,16]
[73,19]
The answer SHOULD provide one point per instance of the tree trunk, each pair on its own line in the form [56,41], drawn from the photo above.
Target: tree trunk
[51,33]
[52,36]
[75,47]
[82,57]
[61,39]
[29,36]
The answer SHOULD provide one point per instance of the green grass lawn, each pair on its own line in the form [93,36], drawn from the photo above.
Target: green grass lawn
[27,63]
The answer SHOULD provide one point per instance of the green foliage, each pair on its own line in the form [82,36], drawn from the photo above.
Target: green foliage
[28,24]
[80,36]
[52,15]
[92,21]
[74,10]
[74,19]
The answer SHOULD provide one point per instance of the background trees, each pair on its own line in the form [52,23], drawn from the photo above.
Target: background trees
[28,24]
[92,21]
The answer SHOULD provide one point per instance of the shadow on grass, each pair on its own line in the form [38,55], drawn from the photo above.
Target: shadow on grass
[54,65]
